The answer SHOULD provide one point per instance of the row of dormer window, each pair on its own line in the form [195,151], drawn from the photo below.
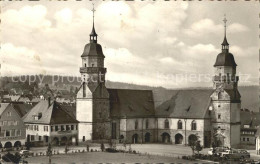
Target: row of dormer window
[8,123]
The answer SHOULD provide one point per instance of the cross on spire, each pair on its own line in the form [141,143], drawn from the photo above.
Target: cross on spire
[93,34]
[225,45]
[225,23]
[93,10]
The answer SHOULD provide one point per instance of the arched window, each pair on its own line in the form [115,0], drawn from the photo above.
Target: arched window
[166,124]
[179,124]
[147,124]
[193,125]
[136,124]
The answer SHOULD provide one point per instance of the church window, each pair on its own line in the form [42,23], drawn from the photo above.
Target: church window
[219,116]
[85,65]
[166,124]
[136,124]
[147,124]
[193,125]
[179,124]
[92,65]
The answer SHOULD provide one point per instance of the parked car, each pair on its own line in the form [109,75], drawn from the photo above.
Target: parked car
[26,153]
[217,151]
[210,152]
[244,153]
[236,154]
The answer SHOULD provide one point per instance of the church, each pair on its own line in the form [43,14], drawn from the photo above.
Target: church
[141,116]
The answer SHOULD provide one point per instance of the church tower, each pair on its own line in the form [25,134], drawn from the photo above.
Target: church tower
[92,104]
[226,102]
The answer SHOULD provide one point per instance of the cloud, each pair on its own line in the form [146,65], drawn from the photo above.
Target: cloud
[139,40]
[208,26]
[64,16]
[18,60]
[236,27]
[27,16]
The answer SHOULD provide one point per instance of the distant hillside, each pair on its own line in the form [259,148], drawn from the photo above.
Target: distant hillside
[249,94]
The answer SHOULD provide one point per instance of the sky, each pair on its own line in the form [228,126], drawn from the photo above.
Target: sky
[168,44]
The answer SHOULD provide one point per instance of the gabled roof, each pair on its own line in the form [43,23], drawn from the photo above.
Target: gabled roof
[3,106]
[22,108]
[249,118]
[131,103]
[51,114]
[186,104]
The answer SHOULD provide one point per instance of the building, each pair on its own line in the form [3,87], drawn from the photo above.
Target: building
[131,116]
[257,135]
[12,128]
[250,121]
[47,123]
[225,100]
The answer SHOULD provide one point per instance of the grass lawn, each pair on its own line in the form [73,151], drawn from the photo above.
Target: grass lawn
[105,157]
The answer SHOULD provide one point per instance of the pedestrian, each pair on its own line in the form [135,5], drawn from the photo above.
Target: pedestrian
[87,147]
[102,147]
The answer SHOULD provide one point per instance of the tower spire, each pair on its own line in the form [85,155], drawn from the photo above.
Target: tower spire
[93,35]
[225,45]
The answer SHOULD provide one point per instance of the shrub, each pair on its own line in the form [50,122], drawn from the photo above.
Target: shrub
[111,150]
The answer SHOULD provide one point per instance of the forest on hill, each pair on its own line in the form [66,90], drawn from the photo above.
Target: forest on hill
[35,83]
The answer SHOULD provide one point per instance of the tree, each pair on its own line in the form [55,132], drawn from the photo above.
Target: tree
[195,145]
[198,147]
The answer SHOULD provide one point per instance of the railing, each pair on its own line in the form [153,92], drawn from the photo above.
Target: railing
[92,70]
[226,78]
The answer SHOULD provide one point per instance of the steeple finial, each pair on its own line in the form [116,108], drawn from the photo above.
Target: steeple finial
[93,10]
[225,45]
[93,34]
[225,24]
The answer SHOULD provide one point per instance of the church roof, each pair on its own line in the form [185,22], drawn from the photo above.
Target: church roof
[234,94]
[131,103]
[225,59]
[92,49]
[186,104]
[51,114]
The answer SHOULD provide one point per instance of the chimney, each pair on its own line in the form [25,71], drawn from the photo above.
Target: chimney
[49,101]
